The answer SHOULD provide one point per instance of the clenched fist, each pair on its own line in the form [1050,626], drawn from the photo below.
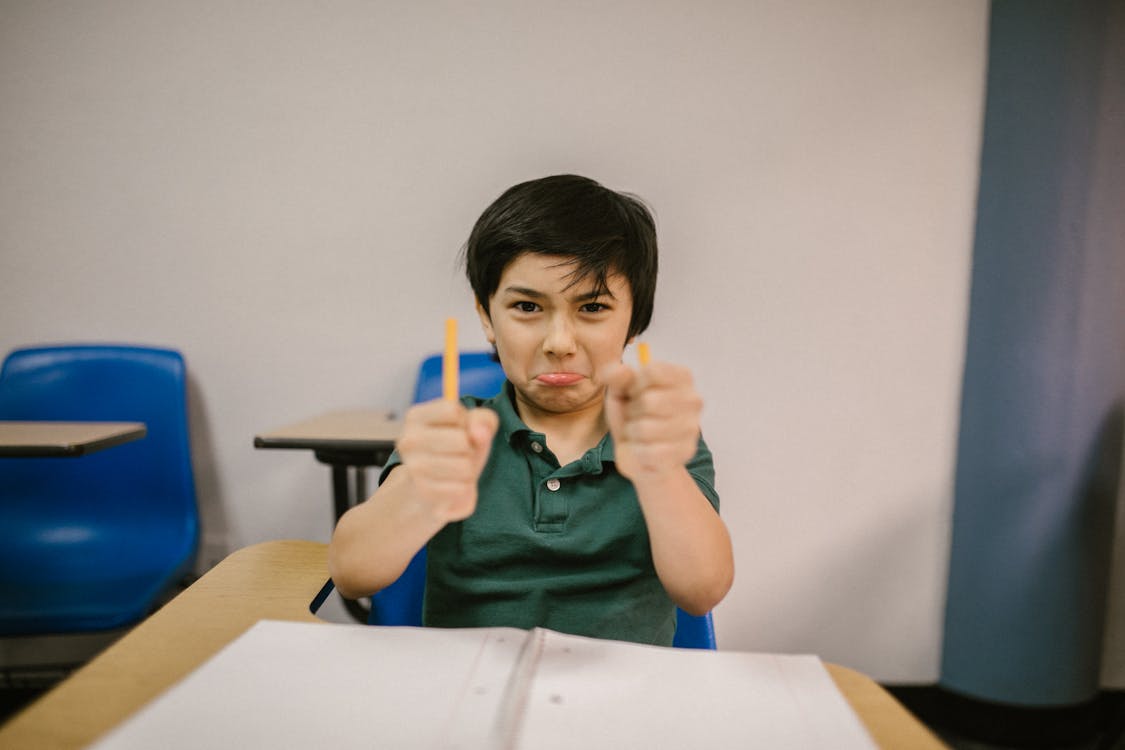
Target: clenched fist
[444,448]
[653,415]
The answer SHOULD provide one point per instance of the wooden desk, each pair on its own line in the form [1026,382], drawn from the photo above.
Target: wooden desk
[64,439]
[362,431]
[278,580]
[353,439]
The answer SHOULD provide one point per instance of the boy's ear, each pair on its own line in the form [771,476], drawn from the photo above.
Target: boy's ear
[486,324]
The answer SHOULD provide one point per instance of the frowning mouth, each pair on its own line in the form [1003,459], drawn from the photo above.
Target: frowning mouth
[559,378]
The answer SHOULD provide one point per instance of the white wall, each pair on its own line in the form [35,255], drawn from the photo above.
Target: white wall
[279,189]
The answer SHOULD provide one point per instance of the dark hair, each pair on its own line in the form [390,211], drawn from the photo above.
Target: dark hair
[601,231]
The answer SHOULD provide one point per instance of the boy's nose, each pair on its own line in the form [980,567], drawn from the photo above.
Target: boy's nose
[559,340]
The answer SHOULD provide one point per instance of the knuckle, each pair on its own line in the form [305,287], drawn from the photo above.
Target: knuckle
[644,431]
[649,401]
[408,443]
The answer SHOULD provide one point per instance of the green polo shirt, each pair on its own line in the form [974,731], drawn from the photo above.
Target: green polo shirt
[560,547]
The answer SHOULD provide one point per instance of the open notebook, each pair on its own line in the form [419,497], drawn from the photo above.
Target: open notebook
[302,685]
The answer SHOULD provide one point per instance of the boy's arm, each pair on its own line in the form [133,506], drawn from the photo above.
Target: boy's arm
[691,548]
[444,447]
[653,415]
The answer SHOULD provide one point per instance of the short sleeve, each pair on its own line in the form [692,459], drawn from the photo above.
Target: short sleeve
[392,462]
[702,469]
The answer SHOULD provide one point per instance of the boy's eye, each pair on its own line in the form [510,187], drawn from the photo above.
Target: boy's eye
[527,307]
[593,307]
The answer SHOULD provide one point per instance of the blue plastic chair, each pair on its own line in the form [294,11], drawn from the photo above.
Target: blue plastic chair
[401,602]
[92,543]
[481,376]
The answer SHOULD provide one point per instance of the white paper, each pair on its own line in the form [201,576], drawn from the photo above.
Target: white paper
[587,693]
[302,685]
[310,685]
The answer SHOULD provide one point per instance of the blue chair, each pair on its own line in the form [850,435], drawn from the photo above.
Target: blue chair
[694,631]
[401,602]
[92,543]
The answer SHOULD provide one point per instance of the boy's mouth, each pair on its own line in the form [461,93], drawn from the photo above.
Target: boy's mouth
[559,378]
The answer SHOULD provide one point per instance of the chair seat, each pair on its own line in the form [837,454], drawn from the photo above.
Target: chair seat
[87,575]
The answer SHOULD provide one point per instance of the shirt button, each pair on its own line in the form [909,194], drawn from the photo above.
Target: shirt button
[537,447]
[553,484]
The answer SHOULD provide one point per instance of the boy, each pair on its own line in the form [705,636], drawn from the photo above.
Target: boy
[581,498]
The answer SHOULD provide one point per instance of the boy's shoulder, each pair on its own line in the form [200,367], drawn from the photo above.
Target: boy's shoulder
[502,404]
[473,402]
[502,397]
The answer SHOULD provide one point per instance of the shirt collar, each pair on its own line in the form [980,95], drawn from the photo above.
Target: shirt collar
[511,426]
[515,431]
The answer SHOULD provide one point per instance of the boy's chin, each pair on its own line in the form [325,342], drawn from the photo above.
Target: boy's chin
[563,399]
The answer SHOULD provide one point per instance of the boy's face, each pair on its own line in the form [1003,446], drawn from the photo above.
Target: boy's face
[555,336]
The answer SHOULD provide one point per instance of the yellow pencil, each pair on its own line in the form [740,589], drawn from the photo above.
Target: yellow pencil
[643,353]
[449,362]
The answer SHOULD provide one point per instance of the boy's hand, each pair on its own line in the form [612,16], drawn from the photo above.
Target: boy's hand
[444,448]
[653,415]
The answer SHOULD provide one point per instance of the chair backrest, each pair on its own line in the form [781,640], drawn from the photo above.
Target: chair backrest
[401,602]
[481,375]
[131,508]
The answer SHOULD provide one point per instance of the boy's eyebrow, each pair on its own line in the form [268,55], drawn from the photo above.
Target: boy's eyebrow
[523,291]
[593,295]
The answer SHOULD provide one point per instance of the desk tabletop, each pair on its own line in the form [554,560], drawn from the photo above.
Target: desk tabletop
[352,429]
[278,580]
[46,439]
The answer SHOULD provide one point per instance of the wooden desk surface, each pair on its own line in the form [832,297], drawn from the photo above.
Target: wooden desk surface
[48,439]
[358,428]
[278,580]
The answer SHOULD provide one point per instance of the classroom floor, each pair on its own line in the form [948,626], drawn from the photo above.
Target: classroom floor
[1097,743]
[1104,725]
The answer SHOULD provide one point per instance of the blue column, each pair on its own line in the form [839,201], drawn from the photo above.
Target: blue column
[1040,444]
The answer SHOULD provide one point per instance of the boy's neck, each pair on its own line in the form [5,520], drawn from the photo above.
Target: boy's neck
[570,434]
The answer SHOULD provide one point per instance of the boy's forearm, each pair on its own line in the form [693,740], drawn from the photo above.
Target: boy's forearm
[375,541]
[691,548]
